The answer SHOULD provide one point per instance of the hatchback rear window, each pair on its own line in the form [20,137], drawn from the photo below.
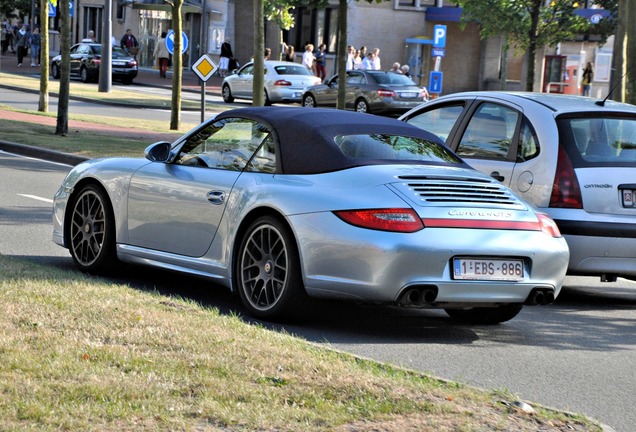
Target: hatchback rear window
[292,70]
[600,140]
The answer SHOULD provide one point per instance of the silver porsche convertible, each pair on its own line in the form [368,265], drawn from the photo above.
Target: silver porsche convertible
[282,205]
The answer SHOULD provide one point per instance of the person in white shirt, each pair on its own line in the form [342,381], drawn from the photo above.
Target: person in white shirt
[377,65]
[308,57]
[368,62]
[351,51]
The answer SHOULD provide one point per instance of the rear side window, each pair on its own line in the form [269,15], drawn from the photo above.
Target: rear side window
[394,147]
[601,140]
[439,121]
[489,133]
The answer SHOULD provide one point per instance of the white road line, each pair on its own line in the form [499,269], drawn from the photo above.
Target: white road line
[46,200]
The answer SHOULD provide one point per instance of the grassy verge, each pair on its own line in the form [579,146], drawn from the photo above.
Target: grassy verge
[120,95]
[80,353]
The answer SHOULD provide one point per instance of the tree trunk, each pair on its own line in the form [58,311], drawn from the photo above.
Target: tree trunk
[65,69]
[43,103]
[617,74]
[532,46]
[258,83]
[342,54]
[504,62]
[630,86]
[177,65]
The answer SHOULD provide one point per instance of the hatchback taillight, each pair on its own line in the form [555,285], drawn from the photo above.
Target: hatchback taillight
[97,61]
[283,83]
[566,192]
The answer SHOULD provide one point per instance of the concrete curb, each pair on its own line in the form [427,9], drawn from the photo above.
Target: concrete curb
[40,153]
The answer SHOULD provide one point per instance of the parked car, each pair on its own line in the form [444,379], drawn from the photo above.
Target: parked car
[284,82]
[376,92]
[282,204]
[86,60]
[573,157]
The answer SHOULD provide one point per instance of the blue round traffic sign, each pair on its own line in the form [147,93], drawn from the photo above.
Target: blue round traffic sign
[170,42]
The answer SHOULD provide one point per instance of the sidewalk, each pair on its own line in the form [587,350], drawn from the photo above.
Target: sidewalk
[190,82]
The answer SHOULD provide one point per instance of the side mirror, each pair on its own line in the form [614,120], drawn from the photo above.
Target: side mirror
[158,152]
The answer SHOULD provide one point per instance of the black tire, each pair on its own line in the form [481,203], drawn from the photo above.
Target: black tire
[91,230]
[84,75]
[127,81]
[362,106]
[227,94]
[486,315]
[309,101]
[267,101]
[267,271]
[55,71]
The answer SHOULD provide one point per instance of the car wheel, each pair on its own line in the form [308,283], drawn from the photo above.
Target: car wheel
[267,271]
[267,101]
[127,81]
[55,71]
[91,230]
[486,315]
[309,101]
[84,75]
[362,106]
[227,94]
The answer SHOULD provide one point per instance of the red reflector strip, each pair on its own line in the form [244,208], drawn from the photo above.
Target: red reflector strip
[483,224]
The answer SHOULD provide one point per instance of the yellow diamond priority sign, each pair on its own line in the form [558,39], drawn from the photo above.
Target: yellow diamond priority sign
[204,67]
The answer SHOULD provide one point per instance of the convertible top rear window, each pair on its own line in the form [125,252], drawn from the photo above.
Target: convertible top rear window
[394,147]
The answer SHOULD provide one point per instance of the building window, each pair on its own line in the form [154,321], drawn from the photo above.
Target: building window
[315,26]
[420,4]
[93,19]
[120,13]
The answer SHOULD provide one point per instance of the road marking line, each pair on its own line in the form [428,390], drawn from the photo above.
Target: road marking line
[35,197]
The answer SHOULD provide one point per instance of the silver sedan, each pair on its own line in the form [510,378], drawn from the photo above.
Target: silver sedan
[284,82]
[282,204]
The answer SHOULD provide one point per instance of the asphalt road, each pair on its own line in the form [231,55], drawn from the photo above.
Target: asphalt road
[578,354]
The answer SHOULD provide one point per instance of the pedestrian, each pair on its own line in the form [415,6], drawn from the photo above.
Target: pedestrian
[226,56]
[308,57]
[405,70]
[289,55]
[162,55]
[90,38]
[129,43]
[377,65]
[396,68]
[4,33]
[368,63]
[268,53]
[351,54]
[23,43]
[321,61]
[34,42]
[587,77]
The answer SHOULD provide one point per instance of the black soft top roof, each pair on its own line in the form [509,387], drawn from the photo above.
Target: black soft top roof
[306,135]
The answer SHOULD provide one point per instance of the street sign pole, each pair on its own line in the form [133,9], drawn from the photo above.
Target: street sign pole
[438,51]
[204,68]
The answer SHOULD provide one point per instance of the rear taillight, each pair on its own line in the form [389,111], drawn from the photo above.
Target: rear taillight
[548,225]
[397,219]
[386,93]
[566,192]
[283,83]
[133,63]
[97,61]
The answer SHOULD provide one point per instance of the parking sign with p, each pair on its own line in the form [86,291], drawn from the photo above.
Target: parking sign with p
[439,36]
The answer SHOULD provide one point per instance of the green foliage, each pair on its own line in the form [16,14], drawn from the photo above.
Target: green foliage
[554,22]
[15,8]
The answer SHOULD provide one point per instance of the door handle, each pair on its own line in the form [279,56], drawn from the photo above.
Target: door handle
[497,176]
[216,197]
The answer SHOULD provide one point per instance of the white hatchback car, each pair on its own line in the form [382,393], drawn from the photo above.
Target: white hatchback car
[572,157]
[284,82]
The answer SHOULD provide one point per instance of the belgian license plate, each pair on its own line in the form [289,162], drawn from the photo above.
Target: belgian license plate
[116,63]
[488,269]
[406,95]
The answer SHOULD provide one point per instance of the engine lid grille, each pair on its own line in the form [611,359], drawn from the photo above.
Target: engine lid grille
[459,191]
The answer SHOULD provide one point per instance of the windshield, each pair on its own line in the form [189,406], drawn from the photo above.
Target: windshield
[600,140]
[380,146]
